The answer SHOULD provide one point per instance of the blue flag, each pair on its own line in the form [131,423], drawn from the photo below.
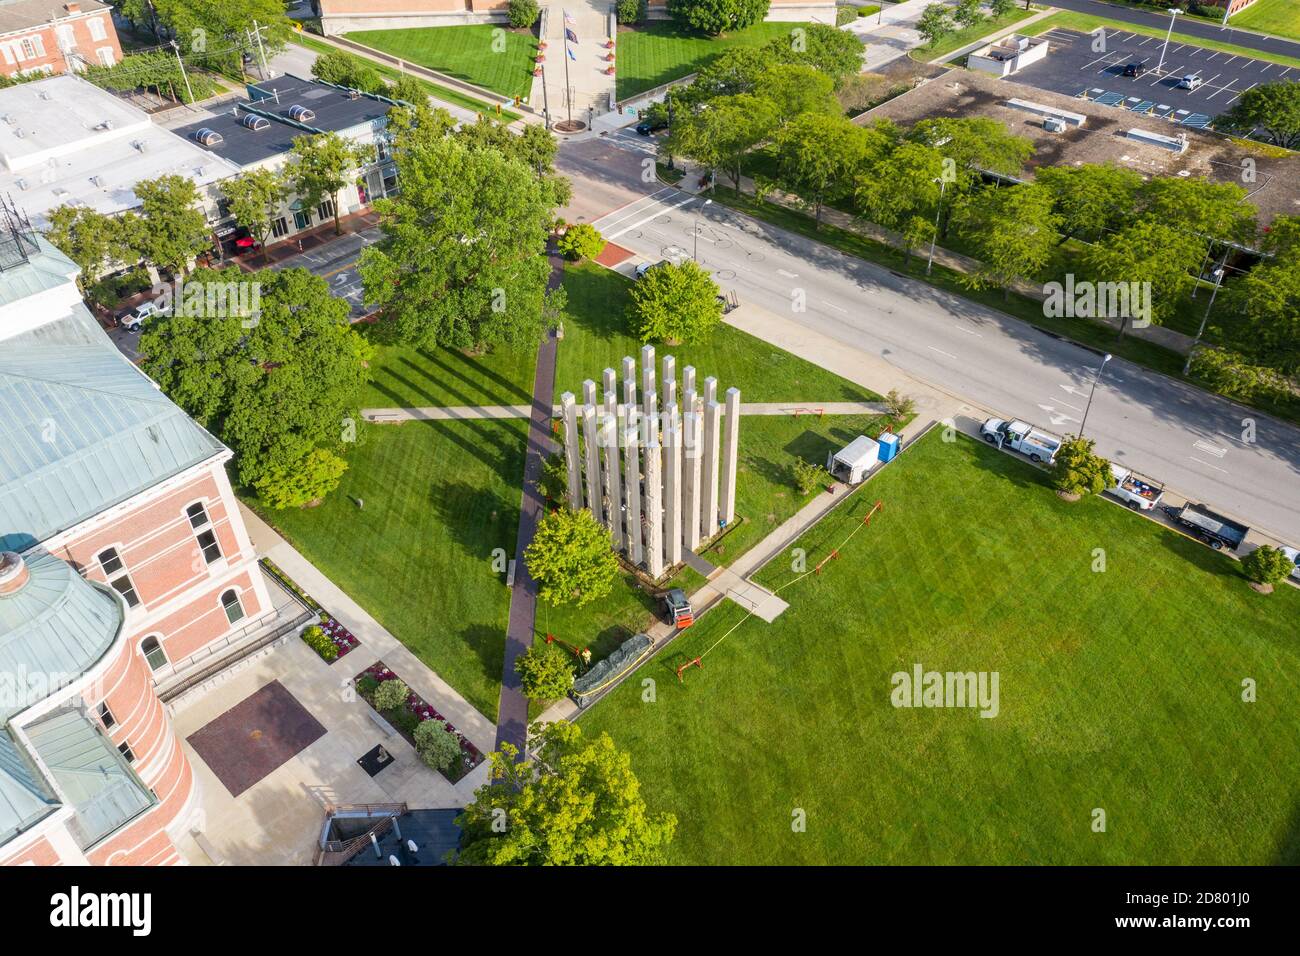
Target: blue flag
[570,35]
[572,56]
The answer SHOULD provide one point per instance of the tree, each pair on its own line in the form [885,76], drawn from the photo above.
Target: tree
[321,164]
[898,406]
[255,197]
[577,804]
[794,89]
[344,69]
[1266,567]
[818,157]
[92,240]
[217,33]
[719,137]
[409,89]
[733,71]
[303,482]
[1150,252]
[522,13]
[935,23]
[1199,207]
[554,479]
[1090,199]
[675,304]
[833,52]
[461,262]
[715,16]
[1271,108]
[545,672]
[571,556]
[1267,301]
[808,476]
[630,11]
[1231,374]
[968,12]
[1000,8]
[1076,471]
[435,743]
[1011,230]
[917,231]
[173,228]
[973,146]
[901,186]
[273,385]
[580,241]
[391,695]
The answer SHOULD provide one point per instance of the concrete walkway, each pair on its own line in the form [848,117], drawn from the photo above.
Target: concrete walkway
[376,641]
[483,412]
[589,89]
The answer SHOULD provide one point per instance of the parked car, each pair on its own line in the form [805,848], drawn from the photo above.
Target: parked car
[1023,437]
[133,319]
[1294,555]
[1135,69]
[652,124]
[1191,81]
[645,267]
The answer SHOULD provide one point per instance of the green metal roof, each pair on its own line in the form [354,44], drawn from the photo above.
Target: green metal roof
[82,429]
[25,799]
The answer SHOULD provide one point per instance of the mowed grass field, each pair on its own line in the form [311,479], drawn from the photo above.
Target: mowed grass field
[1119,690]
[438,498]
[656,53]
[403,376]
[466,52]
[1279,17]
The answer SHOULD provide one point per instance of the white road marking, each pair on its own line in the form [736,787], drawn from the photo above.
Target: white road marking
[832,305]
[941,351]
[1207,464]
[1238,96]
[969,332]
[1209,448]
[649,218]
[787,274]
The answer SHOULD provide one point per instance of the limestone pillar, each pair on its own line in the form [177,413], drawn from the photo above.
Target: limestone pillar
[613,486]
[629,392]
[572,456]
[709,480]
[688,380]
[610,384]
[668,385]
[654,513]
[648,368]
[730,451]
[672,442]
[632,485]
[591,438]
[692,446]
[589,392]
[629,369]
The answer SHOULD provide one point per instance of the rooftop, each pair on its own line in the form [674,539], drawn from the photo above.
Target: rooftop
[18,15]
[969,94]
[333,109]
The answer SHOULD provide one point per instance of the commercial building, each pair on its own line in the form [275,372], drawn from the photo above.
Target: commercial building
[51,36]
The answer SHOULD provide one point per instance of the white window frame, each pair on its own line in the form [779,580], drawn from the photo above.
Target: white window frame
[96,28]
[106,55]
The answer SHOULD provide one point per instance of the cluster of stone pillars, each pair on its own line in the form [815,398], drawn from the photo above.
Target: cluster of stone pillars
[661,477]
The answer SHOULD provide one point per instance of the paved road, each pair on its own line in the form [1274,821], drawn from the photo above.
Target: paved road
[1175,433]
[1185,26]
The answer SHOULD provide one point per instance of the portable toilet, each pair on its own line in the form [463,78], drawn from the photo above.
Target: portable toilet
[851,464]
[888,443]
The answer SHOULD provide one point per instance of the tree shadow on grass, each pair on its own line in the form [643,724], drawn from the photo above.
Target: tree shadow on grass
[489,645]
[1202,556]
[491,522]
[490,373]
[400,400]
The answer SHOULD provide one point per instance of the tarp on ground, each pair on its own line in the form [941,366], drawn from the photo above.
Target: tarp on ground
[604,673]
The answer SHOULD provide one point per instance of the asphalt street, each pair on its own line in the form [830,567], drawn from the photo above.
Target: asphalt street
[1196,443]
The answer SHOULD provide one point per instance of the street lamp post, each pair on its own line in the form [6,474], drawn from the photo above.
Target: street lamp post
[929,263]
[1218,281]
[1173,15]
[1095,379]
[695,253]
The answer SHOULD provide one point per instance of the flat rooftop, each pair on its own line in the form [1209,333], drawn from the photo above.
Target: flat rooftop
[961,93]
[335,110]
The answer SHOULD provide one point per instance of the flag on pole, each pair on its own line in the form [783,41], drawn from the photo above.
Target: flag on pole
[572,56]
[570,35]
[568,19]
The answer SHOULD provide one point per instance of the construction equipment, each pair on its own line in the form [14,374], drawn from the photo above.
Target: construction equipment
[678,607]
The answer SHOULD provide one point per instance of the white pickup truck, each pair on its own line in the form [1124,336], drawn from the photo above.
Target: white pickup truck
[1136,491]
[1294,555]
[1022,437]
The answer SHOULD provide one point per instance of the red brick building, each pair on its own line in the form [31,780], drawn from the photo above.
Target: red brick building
[53,36]
[125,569]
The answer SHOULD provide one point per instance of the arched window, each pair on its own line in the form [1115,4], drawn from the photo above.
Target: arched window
[234,610]
[153,652]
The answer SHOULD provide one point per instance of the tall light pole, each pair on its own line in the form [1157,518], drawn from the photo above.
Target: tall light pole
[1173,15]
[695,253]
[1095,379]
[1218,281]
[929,263]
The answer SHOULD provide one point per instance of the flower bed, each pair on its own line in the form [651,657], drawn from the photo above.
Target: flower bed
[415,712]
[338,635]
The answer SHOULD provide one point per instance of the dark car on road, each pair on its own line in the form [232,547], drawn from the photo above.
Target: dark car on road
[651,125]
[1135,69]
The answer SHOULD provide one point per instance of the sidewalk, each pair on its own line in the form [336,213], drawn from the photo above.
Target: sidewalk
[376,642]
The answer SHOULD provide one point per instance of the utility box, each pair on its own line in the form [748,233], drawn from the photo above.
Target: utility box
[888,443]
[851,464]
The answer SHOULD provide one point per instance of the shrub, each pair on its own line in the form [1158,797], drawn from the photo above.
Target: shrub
[307,480]
[391,695]
[367,685]
[319,642]
[898,407]
[545,672]
[808,476]
[572,558]
[523,13]
[436,745]
[581,241]
[675,304]
[1267,566]
[1077,471]
[630,11]
[554,481]
[845,15]
[344,69]
[1229,374]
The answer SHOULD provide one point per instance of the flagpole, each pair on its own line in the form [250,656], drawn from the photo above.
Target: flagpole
[568,90]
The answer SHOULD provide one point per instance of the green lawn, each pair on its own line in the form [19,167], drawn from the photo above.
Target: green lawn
[960,38]
[1118,690]
[595,339]
[1279,17]
[438,498]
[443,94]
[656,53]
[403,375]
[465,52]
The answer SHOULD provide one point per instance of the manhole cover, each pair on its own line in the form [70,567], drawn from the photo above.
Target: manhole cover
[725,274]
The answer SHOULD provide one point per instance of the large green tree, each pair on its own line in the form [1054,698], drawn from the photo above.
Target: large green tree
[720,136]
[901,185]
[833,52]
[1011,230]
[1214,211]
[273,385]
[974,146]
[461,263]
[214,35]
[1146,251]
[255,196]
[578,803]
[794,89]
[716,16]
[571,557]
[675,304]
[1090,199]
[91,239]
[321,165]
[819,156]
[1270,108]
[173,227]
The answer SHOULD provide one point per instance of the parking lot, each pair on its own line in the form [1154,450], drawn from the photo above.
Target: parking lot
[1073,67]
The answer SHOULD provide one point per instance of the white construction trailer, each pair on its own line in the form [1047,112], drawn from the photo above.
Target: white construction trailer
[852,463]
